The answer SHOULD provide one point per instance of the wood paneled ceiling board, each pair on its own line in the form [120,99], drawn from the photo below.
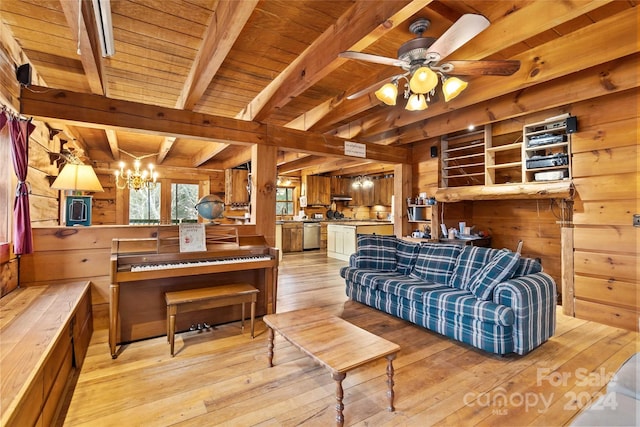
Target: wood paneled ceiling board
[163,49]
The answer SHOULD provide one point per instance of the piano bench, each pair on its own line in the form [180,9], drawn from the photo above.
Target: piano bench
[204,298]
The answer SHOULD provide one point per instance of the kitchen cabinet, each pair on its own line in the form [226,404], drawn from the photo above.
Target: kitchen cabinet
[318,190]
[292,237]
[382,191]
[362,196]
[342,239]
[235,187]
[341,186]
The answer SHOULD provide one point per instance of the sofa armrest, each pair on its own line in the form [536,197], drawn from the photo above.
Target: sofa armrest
[352,260]
[533,301]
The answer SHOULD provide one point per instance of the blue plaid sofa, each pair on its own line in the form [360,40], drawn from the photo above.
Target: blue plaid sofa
[491,299]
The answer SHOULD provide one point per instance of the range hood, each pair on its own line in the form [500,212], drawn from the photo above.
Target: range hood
[340,198]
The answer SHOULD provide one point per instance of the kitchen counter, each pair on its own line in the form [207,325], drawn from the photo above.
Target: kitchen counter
[344,221]
[342,236]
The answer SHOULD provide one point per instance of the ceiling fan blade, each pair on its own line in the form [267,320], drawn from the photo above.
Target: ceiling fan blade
[350,54]
[463,30]
[483,68]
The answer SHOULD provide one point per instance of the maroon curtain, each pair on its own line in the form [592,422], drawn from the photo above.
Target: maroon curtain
[20,131]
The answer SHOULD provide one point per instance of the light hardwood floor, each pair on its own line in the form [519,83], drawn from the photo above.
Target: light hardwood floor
[221,377]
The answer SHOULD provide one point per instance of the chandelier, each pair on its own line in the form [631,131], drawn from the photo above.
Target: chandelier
[420,87]
[136,179]
[362,182]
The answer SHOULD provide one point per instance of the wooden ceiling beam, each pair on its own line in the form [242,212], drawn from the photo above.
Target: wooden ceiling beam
[370,168]
[549,61]
[208,152]
[100,112]
[356,29]
[88,47]
[240,156]
[113,143]
[223,29]
[225,26]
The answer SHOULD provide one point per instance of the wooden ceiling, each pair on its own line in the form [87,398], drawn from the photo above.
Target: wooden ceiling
[276,62]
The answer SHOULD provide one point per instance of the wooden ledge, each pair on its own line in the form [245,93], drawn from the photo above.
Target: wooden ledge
[36,348]
[548,190]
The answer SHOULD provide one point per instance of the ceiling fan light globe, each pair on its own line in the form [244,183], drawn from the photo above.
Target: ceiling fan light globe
[387,93]
[416,102]
[452,87]
[423,80]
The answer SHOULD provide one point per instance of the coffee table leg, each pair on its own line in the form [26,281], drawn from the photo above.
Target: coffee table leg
[270,347]
[338,377]
[390,393]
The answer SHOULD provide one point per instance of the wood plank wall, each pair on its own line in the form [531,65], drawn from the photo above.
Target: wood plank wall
[71,254]
[606,177]
[604,285]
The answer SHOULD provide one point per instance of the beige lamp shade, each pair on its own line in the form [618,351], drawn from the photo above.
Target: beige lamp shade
[452,87]
[416,102]
[77,178]
[387,93]
[423,80]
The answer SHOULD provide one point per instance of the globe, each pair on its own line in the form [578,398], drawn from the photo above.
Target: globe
[210,207]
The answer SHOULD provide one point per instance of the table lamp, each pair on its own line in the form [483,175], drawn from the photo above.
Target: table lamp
[77,178]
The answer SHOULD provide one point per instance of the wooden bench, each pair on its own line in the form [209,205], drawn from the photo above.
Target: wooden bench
[44,336]
[205,298]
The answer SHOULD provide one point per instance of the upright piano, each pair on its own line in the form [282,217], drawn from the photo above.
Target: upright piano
[143,270]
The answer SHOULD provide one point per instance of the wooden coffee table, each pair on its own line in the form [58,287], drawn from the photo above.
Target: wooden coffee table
[334,343]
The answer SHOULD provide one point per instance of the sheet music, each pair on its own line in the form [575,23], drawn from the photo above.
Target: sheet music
[192,238]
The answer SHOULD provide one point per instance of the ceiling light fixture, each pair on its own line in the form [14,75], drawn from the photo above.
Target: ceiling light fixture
[362,182]
[102,13]
[421,86]
[136,179]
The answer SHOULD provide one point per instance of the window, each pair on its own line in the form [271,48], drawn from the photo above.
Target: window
[284,201]
[183,202]
[144,205]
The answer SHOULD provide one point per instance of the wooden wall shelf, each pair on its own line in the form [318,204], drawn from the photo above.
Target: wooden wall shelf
[551,190]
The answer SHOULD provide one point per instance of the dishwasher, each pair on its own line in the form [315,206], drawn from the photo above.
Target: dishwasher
[311,235]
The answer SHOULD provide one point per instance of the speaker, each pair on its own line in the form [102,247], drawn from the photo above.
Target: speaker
[23,74]
[434,151]
[572,124]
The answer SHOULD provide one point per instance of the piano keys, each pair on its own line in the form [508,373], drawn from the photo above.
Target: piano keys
[143,270]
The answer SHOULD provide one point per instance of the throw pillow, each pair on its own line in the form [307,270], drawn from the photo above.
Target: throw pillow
[376,252]
[501,267]
[527,266]
[435,262]
[471,260]
[406,254]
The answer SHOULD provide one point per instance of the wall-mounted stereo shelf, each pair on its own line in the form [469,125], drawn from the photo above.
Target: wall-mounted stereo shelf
[546,151]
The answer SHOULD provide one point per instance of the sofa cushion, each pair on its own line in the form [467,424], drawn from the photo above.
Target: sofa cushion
[363,276]
[407,287]
[452,302]
[500,268]
[376,252]
[435,262]
[406,254]
[471,260]
[527,266]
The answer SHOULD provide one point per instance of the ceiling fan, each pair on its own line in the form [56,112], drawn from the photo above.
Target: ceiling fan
[421,57]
